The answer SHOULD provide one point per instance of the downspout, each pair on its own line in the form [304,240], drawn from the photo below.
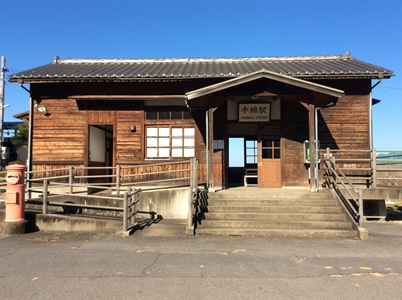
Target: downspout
[371,138]
[30,133]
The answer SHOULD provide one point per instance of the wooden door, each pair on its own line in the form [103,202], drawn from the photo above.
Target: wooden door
[269,157]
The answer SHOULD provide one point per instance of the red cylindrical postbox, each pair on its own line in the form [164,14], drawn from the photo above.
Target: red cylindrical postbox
[15,193]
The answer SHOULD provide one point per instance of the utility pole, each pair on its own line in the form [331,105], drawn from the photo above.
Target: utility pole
[3,71]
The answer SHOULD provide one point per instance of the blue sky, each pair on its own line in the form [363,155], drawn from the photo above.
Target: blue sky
[34,31]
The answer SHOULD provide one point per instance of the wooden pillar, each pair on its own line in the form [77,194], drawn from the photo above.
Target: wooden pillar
[211,182]
[311,126]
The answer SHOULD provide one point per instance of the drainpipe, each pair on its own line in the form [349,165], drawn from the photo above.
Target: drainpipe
[371,138]
[30,133]
[316,156]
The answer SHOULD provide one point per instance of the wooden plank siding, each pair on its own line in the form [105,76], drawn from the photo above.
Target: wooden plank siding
[346,125]
[59,136]
[129,145]
[294,131]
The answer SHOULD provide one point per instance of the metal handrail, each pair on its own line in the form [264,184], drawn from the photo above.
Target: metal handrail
[334,174]
[121,184]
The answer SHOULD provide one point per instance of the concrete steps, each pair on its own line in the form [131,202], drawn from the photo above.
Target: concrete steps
[275,213]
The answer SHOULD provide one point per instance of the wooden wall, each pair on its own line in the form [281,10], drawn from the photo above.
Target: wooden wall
[344,126]
[129,144]
[59,135]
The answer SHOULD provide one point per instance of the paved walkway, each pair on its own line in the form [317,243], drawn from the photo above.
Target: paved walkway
[47,265]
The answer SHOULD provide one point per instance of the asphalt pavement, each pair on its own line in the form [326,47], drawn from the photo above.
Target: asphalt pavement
[62,265]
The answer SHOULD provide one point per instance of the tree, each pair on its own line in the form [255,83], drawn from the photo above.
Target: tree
[20,139]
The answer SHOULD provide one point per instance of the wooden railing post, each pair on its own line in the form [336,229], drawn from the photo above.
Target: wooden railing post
[125,210]
[374,168]
[133,204]
[45,191]
[70,179]
[361,212]
[193,193]
[118,170]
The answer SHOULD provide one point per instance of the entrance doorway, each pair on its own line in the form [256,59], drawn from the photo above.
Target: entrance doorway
[243,160]
[100,153]
[255,160]
[269,156]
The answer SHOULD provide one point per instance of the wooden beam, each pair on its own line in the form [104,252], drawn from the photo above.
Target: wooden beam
[128,97]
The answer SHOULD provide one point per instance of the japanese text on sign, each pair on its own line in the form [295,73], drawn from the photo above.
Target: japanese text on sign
[254,112]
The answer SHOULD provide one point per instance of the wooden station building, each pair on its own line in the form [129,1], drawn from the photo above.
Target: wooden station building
[247,120]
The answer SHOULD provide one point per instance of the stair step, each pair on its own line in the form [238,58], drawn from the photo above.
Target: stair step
[277,216]
[273,224]
[271,195]
[274,209]
[275,213]
[294,233]
[276,202]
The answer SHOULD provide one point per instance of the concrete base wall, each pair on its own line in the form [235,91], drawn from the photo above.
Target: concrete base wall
[170,204]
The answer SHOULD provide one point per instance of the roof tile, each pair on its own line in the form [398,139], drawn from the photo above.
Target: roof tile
[297,66]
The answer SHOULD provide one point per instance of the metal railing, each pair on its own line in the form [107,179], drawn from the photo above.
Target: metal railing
[121,184]
[387,168]
[348,172]
[365,168]
[350,197]
[3,183]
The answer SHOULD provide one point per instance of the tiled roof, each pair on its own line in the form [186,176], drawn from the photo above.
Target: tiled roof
[132,69]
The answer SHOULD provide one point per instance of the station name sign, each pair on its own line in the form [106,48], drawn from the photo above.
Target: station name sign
[254,112]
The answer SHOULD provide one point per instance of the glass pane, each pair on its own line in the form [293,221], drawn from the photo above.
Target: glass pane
[250,144]
[177,131]
[277,143]
[189,131]
[177,152]
[152,131]
[189,152]
[177,142]
[250,160]
[176,115]
[152,152]
[164,115]
[163,152]
[266,153]
[152,142]
[189,142]
[163,142]
[251,152]
[266,142]
[151,115]
[277,153]
[164,131]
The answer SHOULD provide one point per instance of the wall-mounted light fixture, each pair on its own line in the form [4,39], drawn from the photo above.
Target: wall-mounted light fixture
[42,109]
[133,128]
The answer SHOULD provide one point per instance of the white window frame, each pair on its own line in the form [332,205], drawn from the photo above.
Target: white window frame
[169,141]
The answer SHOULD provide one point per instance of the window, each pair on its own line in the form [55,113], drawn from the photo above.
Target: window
[170,142]
[251,151]
[168,115]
